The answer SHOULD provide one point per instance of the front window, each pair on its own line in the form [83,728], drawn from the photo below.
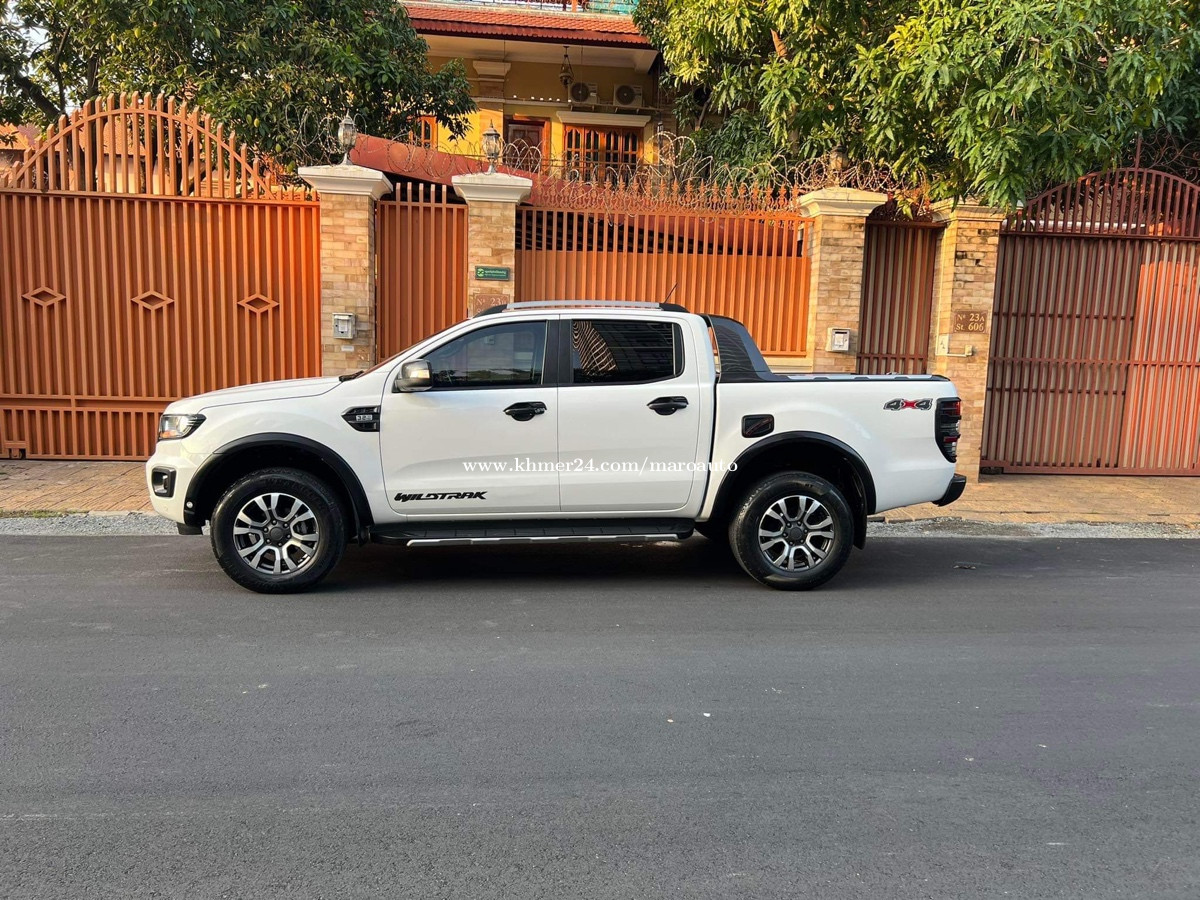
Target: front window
[603,154]
[508,355]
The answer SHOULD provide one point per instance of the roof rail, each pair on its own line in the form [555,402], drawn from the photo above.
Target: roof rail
[580,304]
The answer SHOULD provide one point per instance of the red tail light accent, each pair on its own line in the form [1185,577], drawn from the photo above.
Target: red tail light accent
[945,426]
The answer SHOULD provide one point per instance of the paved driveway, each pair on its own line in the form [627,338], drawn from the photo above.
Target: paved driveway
[949,718]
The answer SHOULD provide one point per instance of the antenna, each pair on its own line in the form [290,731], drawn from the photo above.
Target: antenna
[670,293]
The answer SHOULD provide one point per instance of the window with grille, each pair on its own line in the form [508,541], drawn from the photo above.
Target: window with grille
[599,153]
[425,132]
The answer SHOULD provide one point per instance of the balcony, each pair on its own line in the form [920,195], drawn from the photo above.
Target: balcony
[594,7]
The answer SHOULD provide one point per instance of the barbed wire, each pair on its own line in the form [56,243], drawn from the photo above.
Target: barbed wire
[615,178]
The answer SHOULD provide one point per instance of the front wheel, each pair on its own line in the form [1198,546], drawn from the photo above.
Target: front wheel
[278,531]
[792,532]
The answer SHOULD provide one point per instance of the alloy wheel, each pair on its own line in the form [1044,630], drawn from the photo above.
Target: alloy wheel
[796,533]
[276,534]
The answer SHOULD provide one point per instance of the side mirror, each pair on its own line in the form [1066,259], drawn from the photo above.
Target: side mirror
[414,376]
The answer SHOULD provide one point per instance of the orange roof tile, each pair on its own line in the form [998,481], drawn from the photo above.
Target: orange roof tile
[550,26]
[17,137]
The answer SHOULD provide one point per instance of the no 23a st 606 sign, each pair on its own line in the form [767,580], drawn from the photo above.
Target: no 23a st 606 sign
[970,322]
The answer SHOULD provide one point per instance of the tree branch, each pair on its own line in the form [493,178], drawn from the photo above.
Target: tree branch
[35,95]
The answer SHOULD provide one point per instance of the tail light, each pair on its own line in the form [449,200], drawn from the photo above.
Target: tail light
[945,426]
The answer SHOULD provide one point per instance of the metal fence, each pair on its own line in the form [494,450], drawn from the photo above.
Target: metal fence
[899,258]
[421,242]
[144,257]
[1096,343]
[751,266]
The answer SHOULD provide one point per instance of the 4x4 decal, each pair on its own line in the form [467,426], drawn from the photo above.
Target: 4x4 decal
[900,403]
[443,495]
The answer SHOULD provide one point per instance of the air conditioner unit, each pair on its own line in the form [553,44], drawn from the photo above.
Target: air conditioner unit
[584,93]
[627,96]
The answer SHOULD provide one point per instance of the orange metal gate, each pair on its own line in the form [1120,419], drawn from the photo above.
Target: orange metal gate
[144,257]
[1096,343]
[421,239]
[752,266]
[897,296]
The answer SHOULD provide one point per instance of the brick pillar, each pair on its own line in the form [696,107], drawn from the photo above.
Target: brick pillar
[964,285]
[491,235]
[835,283]
[347,194]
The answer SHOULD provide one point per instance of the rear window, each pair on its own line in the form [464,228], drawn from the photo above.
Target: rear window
[624,351]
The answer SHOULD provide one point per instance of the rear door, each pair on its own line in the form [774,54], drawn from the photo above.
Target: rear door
[629,416]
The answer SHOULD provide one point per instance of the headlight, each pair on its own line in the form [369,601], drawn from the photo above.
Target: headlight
[172,427]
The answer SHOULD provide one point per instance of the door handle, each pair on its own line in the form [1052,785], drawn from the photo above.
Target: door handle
[664,406]
[523,412]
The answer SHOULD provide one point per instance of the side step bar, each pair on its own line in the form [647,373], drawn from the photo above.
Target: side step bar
[534,532]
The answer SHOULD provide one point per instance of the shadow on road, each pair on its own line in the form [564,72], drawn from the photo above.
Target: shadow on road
[696,562]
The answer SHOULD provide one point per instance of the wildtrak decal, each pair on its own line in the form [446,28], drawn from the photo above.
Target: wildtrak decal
[443,495]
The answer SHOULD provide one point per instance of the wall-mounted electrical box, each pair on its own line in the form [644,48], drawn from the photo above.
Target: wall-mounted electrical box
[943,347]
[344,325]
[839,340]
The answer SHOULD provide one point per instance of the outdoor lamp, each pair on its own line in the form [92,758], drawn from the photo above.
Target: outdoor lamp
[491,147]
[839,160]
[347,134]
[565,73]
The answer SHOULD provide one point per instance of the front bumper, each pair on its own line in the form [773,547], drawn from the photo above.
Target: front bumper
[169,473]
[954,490]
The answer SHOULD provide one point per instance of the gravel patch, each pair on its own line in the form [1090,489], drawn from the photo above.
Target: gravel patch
[134,523]
[953,527]
[93,524]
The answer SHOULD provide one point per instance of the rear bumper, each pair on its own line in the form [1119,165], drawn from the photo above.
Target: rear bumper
[953,490]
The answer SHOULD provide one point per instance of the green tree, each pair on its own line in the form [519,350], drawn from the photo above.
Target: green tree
[279,71]
[977,97]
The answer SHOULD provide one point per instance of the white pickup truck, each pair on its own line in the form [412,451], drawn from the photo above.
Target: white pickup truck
[541,422]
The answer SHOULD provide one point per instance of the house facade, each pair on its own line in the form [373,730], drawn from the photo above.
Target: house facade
[571,86]
[14,141]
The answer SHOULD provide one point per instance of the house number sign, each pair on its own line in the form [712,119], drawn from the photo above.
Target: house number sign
[970,322]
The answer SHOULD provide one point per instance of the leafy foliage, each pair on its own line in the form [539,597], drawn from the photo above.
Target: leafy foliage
[976,97]
[278,70]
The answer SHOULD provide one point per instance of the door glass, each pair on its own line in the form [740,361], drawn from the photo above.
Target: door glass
[509,355]
[616,351]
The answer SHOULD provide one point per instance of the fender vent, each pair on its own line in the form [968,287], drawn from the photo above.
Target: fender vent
[362,418]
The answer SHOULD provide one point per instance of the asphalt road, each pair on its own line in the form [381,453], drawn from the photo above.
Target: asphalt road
[950,718]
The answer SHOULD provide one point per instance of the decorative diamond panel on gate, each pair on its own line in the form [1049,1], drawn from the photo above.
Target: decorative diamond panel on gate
[146,257]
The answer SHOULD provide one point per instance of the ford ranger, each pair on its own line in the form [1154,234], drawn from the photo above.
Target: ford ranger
[546,422]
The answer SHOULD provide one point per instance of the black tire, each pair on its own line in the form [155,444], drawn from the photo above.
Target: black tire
[809,558]
[301,533]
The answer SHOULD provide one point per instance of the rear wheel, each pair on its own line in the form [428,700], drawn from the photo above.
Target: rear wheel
[278,531]
[792,532]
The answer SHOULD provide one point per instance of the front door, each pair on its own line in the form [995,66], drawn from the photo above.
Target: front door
[483,440]
[629,418]
[524,145]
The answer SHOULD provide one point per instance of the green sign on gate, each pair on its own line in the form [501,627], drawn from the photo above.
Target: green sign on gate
[493,273]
